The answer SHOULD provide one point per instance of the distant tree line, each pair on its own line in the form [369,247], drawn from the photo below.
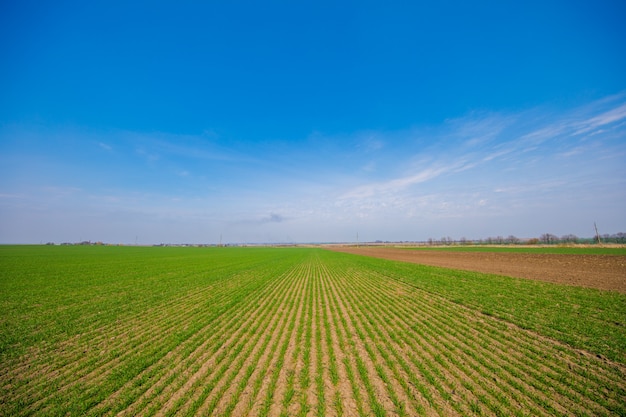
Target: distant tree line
[545,239]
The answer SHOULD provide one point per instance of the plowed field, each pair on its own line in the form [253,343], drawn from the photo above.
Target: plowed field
[277,332]
[605,272]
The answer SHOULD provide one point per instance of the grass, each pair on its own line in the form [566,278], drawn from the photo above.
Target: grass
[200,331]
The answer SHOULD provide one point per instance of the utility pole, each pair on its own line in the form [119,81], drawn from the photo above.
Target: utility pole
[597,234]
[357,239]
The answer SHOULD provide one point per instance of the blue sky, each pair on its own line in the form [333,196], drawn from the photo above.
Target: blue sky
[281,122]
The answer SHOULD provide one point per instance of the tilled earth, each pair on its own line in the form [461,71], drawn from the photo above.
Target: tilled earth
[605,272]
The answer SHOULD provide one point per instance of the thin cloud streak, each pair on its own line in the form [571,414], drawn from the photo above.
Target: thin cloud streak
[528,149]
[606,118]
[395,185]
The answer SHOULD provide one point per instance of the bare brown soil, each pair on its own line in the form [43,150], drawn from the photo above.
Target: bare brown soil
[604,272]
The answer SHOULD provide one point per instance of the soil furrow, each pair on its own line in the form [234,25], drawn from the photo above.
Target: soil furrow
[205,354]
[510,353]
[432,342]
[269,391]
[466,350]
[350,401]
[290,355]
[342,398]
[262,373]
[241,342]
[371,343]
[75,378]
[358,358]
[413,397]
[425,345]
[65,367]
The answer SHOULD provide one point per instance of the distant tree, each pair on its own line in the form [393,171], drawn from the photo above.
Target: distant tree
[548,238]
[569,238]
[512,240]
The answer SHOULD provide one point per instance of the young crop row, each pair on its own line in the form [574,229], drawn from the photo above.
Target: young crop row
[283,332]
[462,362]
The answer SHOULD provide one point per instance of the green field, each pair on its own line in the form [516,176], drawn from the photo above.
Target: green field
[89,330]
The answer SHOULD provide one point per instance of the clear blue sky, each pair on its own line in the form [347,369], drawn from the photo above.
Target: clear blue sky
[310,121]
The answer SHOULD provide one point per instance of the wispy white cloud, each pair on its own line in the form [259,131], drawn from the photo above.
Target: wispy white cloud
[608,117]
[163,146]
[371,142]
[395,185]
[105,146]
[530,187]
[528,156]
[369,166]
[61,191]
[190,147]
[149,155]
[11,196]
[496,154]
[574,151]
[543,133]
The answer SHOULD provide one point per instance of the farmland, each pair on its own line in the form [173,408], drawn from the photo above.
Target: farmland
[296,331]
[597,267]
